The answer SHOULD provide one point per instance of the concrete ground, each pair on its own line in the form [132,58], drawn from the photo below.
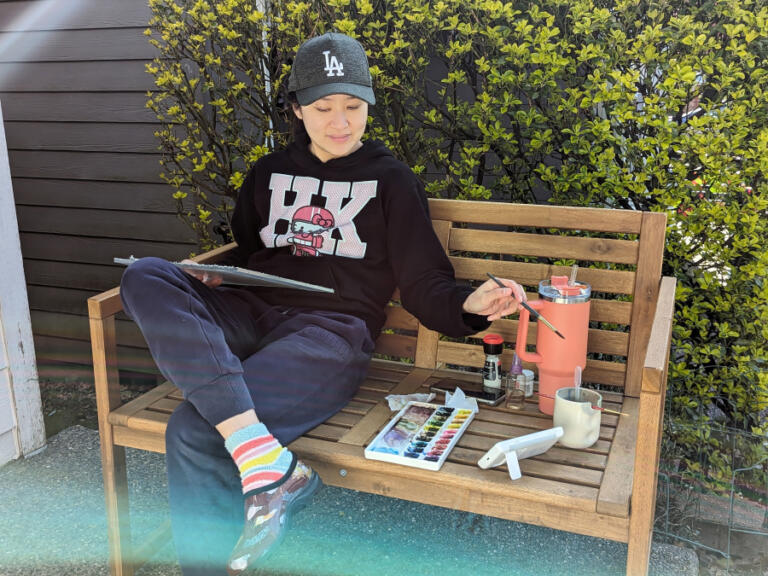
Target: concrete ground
[52,523]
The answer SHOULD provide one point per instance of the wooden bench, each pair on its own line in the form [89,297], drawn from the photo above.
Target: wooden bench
[606,491]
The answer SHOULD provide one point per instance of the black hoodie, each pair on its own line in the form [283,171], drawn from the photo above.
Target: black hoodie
[358,224]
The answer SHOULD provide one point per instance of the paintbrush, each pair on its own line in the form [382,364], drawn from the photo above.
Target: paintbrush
[524,304]
[594,407]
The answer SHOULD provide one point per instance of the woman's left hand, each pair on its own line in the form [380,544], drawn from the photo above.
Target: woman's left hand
[210,279]
[494,302]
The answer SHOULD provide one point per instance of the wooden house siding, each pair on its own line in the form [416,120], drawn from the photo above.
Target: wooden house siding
[84,160]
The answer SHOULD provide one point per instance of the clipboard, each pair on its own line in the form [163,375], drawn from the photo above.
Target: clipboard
[241,276]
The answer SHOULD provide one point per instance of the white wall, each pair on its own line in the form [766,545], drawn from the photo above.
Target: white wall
[21,420]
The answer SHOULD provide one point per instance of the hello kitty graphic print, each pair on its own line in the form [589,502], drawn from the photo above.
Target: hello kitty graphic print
[308,226]
[316,217]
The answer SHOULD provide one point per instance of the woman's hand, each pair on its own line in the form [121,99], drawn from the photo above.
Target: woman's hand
[210,279]
[494,302]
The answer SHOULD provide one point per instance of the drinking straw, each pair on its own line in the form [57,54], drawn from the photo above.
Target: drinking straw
[574,271]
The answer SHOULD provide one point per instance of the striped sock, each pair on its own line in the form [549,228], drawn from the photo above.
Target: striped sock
[262,461]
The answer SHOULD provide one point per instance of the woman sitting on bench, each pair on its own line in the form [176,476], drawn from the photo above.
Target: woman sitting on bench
[259,367]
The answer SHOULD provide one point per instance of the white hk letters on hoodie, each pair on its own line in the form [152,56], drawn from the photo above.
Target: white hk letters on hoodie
[310,224]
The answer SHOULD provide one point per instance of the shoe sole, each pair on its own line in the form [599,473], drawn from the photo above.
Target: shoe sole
[296,505]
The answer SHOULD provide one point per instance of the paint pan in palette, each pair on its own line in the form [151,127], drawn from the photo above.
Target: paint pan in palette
[420,435]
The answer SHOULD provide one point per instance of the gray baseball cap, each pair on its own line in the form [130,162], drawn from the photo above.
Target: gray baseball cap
[330,64]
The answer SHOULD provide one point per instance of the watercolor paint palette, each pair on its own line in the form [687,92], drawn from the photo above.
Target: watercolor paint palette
[420,435]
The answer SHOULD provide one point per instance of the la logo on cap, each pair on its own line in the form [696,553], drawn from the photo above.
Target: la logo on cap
[332,65]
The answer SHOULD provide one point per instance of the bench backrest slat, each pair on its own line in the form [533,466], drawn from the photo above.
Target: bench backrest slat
[547,216]
[619,254]
[529,274]
[549,246]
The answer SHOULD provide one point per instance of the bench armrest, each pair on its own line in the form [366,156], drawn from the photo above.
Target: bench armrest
[657,355]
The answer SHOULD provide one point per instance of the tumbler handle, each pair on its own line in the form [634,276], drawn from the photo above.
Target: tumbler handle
[522,334]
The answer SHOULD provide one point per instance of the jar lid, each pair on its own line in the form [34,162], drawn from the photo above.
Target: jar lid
[558,290]
[493,344]
[493,339]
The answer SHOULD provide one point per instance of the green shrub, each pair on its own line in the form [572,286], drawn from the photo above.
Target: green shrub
[632,141]
[636,104]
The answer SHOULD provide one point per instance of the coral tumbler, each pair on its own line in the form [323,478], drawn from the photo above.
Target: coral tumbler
[567,308]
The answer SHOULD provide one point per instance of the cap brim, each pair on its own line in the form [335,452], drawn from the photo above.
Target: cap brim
[306,96]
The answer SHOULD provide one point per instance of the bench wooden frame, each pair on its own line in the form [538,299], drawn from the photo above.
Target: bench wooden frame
[607,491]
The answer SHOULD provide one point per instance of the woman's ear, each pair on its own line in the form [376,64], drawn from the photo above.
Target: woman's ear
[297,111]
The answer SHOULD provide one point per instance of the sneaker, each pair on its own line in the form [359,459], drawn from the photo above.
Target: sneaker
[267,516]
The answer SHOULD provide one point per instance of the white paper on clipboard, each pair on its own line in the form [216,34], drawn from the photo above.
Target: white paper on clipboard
[241,276]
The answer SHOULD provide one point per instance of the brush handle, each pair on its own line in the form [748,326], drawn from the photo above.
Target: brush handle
[533,313]
[600,408]
[610,411]
[540,318]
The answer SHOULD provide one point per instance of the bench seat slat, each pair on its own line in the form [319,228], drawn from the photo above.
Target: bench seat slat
[536,468]
[327,432]
[370,396]
[377,385]
[531,408]
[356,407]
[149,421]
[122,414]
[388,369]
[371,423]
[344,419]
[578,458]
[451,474]
[530,417]
[166,405]
[504,431]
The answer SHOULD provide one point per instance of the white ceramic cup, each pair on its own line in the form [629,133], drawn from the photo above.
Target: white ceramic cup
[574,412]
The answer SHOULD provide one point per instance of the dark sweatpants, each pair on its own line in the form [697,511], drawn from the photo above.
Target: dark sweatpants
[229,351]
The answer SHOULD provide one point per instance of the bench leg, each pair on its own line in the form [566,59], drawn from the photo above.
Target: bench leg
[638,553]
[118,520]
[107,386]
[643,505]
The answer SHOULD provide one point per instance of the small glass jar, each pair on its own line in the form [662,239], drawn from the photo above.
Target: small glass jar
[514,397]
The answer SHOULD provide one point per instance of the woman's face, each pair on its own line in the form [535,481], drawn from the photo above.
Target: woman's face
[335,125]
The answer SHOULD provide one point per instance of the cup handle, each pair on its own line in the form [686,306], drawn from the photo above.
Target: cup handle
[522,335]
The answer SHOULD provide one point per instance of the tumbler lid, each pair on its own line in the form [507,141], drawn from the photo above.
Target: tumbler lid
[558,290]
